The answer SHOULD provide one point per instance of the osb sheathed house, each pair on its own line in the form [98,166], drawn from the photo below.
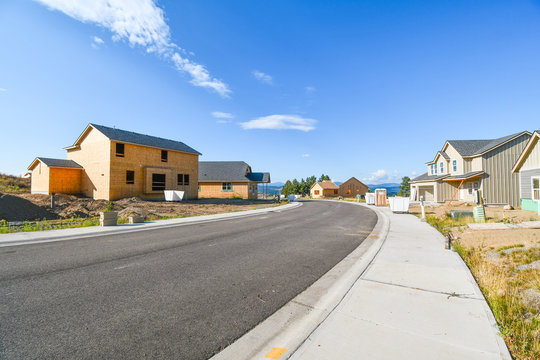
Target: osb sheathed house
[352,188]
[228,179]
[322,189]
[528,168]
[108,163]
[463,167]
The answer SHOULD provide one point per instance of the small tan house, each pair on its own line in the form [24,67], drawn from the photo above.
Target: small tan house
[352,187]
[228,179]
[322,189]
[108,163]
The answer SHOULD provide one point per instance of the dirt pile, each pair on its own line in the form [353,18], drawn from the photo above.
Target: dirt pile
[16,208]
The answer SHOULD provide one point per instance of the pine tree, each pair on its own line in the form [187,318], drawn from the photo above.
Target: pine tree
[405,187]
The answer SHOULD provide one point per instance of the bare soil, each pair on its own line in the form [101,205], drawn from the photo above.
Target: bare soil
[29,207]
[493,213]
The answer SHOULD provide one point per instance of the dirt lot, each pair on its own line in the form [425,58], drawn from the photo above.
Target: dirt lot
[493,213]
[27,207]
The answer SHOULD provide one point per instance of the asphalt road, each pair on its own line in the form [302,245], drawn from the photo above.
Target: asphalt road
[179,293]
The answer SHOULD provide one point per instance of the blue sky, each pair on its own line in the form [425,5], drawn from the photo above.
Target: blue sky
[370,89]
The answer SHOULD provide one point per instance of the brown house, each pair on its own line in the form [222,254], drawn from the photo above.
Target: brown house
[352,187]
[107,163]
[228,179]
[325,188]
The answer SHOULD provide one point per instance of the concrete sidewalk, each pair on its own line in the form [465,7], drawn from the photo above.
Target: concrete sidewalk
[416,300]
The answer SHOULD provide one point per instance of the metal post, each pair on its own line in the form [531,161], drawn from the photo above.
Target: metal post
[52,201]
[423,211]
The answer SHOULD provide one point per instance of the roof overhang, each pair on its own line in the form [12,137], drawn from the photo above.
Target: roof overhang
[525,153]
[463,177]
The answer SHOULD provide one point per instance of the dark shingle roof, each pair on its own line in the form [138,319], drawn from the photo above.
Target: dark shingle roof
[260,177]
[58,163]
[426,177]
[229,171]
[444,155]
[146,140]
[477,147]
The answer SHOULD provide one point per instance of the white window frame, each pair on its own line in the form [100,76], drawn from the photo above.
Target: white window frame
[533,188]
[454,165]
[442,167]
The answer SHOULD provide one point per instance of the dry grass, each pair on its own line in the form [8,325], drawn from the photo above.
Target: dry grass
[10,184]
[494,257]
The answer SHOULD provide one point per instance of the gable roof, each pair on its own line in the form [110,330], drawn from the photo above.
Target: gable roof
[525,153]
[354,179]
[136,139]
[228,171]
[326,184]
[59,163]
[441,153]
[479,147]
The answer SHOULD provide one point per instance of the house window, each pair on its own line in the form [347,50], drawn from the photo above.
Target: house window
[335,192]
[119,150]
[183,179]
[130,177]
[454,165]
[536,189]
[316,192]
[348,191]
[158,182]
[434,168]
[164,155]
[226,186]
[442,168]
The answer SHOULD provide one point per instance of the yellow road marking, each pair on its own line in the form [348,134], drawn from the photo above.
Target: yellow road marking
[275,353]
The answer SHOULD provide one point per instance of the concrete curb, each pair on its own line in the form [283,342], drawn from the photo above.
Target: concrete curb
[289,327]
[36,237]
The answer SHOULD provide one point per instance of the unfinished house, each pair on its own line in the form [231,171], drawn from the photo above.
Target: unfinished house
[108,163]
[462,167]
[352,188]
[528,169]
[323,189]
[229,179]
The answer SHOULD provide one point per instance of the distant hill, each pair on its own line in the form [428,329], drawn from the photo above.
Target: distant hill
[391,188]
[271,188]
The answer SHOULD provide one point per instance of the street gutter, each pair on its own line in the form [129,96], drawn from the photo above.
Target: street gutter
[290,326]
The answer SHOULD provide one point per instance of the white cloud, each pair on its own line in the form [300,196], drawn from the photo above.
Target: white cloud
[222,115]
[309,89]
[382,176]
[2,89]
[413,173]
[140,23]
[262,77]
[280,122]
[96,42]
[305,155]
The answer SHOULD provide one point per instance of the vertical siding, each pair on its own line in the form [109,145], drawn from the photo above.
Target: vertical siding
[501,186]
[526,191]
[445,191]
[467,166]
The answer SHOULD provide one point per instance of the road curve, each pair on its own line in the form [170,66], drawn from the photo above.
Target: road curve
[181,293]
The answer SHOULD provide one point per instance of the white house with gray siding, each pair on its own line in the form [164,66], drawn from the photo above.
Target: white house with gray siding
[463,166]
[528,168]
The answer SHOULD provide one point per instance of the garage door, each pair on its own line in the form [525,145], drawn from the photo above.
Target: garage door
[427,192]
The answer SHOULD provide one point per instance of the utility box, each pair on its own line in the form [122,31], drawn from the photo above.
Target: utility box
[380,197]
